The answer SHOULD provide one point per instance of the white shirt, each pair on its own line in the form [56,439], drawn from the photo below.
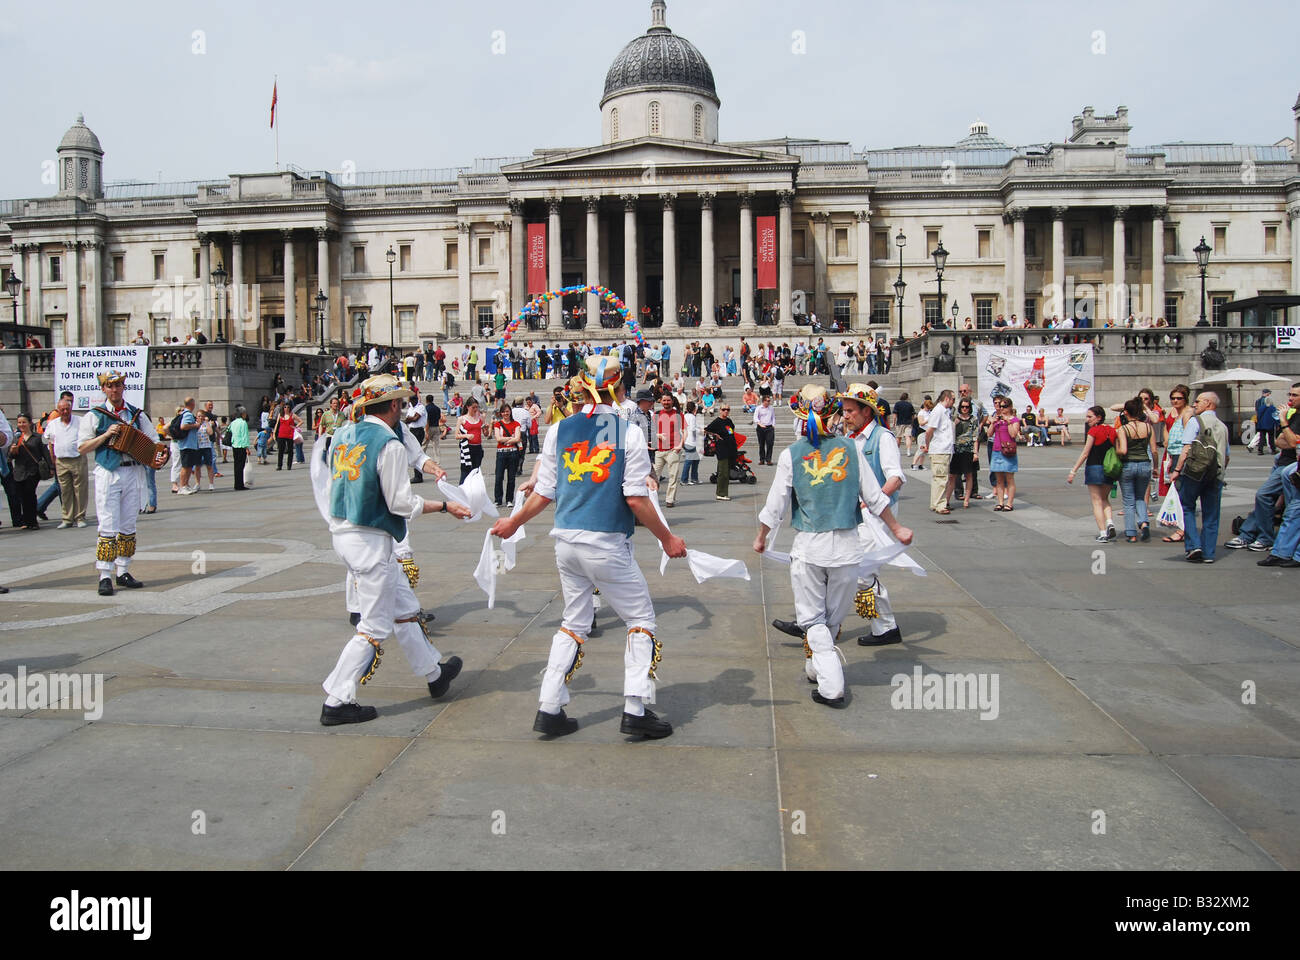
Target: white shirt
[142,423]
[833,548]
[521,414]
[5,429]
[372,359]
[944,435]
[636,468]
[890,461]
[63,437]
[416,458]
[421,416]
[395,483]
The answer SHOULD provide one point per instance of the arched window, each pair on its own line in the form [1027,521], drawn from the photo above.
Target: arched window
[654,118]
[613,124]
[699,122]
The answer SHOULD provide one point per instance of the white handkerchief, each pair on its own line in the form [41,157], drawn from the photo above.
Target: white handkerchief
[508,546]
[705,566]
[321,479]
[775,555]
[486,571]
[472,493]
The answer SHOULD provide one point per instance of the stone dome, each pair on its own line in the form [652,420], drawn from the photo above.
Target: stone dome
[80,137]
[979,138]
[660,60]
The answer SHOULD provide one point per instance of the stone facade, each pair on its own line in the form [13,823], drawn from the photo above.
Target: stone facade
[1088,226]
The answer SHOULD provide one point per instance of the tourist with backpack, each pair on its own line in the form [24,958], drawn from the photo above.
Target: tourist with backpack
[1199,474]
[1098,447]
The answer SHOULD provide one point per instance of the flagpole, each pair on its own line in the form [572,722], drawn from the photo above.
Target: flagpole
[277,128]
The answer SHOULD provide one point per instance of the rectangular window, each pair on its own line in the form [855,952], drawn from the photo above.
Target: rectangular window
[567,246]
[56,270]
[485,318]
[1031,310]
[358,326]
[841,312]
[798,246]
[985,244]
[451,257]
[1217,302]
[933,312]
[119,268]
[159,266]
[1171,310]
[880,309]
[119,331]
[197,274]
[58,337]
[1078,248]
[1031,242]
[277,262]
[1132,243]
[358,259]
[485,251]
[1220,241]
[931,241]
[880,245]
[160,327]
[841,242]
[1171,241]
[406,324]
[404,257]
[1270,239]
[984,313]
[451,317]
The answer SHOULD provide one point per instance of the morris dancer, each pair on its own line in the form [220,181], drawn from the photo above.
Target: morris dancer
[119,481]
[832,480]
[368,490]
[599,489]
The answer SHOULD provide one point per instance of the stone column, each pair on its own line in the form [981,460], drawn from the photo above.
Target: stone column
[505,269]
[785,255]
[1017,263]
[35,303]
[1158,262]
[1293,213]
[592,275]
[323,276]
[631,294]
[670,260]
[468,323]
[708,271]
[237,308]
[554,262]
[820,304]
[95,325]
[746,257]
[1119,295]
[290,289]
[73,333]
[518,261]
[864,269]
[1057,305]
[205,281]
[1008,266]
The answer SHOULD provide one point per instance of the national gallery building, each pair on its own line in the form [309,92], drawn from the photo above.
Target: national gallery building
[687,228]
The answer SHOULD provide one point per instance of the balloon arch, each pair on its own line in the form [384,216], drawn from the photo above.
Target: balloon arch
[606,294]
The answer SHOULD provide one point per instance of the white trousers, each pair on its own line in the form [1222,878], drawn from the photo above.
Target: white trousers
[384,595]
[401,550]
[176,462]
[884,621]
[583,570]
[117,504]
[822,596]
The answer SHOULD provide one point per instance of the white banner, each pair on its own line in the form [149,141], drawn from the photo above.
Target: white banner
[78,369]
[1288,338]
[1045,377]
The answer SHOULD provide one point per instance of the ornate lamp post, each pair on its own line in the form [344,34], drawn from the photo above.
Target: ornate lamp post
[940,261]
[14,285]
[391,257]
[955,311]
[1202,251]
[321,301]
[899,285]
[219,278]
[361,322]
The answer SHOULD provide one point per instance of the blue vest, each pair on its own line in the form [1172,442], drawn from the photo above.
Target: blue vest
[355,494]
[590,456]
[106,456]
[826,484]
[871,453]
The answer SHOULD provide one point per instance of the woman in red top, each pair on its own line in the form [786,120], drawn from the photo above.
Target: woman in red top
[510,450]
[469,430]
[1101,437]
[285,425]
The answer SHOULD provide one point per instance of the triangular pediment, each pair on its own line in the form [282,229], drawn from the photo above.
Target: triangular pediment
[650,150]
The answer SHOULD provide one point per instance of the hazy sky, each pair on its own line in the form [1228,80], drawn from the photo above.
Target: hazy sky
[399,85]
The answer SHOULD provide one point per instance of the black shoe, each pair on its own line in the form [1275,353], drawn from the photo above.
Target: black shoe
[450,670]
[41,514]
[554,724]
[346,713]
[417,479]
[106,587]
[645,726]
[1273,560]
[818,698]
[126,580]
[1195,556]
[788,627]
[355,618]
[892,636]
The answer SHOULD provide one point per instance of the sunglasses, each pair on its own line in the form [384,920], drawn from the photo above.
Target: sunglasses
[1176,396]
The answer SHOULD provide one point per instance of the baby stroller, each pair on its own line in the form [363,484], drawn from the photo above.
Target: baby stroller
[740,471]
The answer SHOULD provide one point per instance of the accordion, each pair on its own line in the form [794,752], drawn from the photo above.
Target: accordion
[135,444]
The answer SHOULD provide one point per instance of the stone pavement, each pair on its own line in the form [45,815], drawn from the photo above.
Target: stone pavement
[1120,678]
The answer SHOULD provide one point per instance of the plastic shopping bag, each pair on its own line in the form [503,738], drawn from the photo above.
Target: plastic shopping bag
[1171,511]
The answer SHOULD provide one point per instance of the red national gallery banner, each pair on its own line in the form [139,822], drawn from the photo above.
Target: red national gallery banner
[537,258]
[766,253]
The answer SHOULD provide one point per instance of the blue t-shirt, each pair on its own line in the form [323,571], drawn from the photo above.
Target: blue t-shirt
[189,438]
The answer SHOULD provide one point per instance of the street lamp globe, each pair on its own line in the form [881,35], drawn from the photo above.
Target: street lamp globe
[1202,251]
[940,258]
[13,284]
[390,256]
[900,287]
[901,240]
[219,276]
[955,311]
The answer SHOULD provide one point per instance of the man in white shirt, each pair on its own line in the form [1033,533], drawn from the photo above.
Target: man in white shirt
[369,501]
[832,481]
[940,441]
[70,471]
[416,418]
[372,360]
[599,488]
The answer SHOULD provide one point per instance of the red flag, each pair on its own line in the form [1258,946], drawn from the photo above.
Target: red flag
[274,97]
[537,258]
[766,253]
